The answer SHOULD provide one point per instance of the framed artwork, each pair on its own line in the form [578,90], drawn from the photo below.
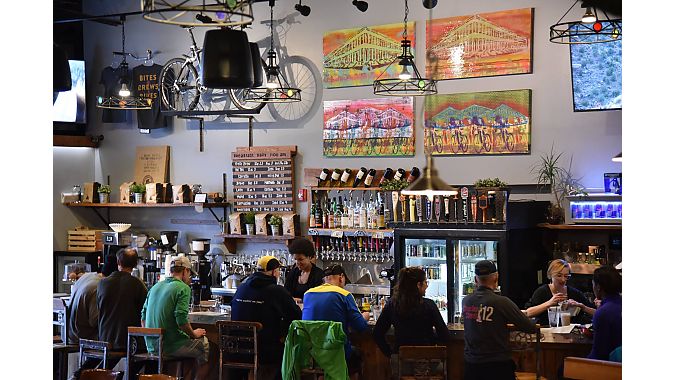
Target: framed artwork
[369,127]
[480,45]
[357,56]
[596,72]
[478,123]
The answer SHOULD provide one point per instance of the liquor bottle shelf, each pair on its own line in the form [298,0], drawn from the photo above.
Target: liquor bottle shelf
[144,205]
[329,188]
[340,232]
[420,258]
[581,226]
[260,238]
[583,268]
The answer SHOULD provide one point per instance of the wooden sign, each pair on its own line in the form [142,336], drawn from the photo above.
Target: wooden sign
[152,164]
[262,179]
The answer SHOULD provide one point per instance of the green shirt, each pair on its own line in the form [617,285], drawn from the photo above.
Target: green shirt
[167,307]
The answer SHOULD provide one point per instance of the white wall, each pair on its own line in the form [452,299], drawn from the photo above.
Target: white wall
[592,138]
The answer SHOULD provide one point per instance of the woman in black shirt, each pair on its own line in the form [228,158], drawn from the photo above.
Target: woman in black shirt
[417,320]
[305,274]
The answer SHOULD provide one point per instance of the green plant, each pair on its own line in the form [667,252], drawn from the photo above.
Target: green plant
[548,171]
[249,217]
[394,184]
[488,182]
[275,220]
[137,188]
[105,189]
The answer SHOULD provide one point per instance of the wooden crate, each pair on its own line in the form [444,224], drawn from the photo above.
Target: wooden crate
[83,239]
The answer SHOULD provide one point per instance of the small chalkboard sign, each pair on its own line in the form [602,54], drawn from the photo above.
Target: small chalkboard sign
[262,179]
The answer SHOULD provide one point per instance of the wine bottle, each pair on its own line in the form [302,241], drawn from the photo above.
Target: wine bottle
[399,174]
[323,176]
[345,176]
[389,174]
[312,222]
[369,177]
[359,177]
[413,175]
[335,176]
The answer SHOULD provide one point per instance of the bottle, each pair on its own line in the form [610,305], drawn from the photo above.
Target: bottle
[332,220]
[335,176]
[369,177]
[338,215]
[411,208]
[323,176]
[345,176]
[359,177]
[312,222]
[399,174]
[325,213]
[381,215]
[355,215]
[349,214]
[363,215]
[370,216]
[319,216]
[413,175]
[388,175]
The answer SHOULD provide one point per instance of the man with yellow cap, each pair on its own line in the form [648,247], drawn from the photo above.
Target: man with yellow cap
[260,299]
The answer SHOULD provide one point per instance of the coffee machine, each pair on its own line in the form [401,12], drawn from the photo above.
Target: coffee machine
[168,240]
[113,242]
[201,286]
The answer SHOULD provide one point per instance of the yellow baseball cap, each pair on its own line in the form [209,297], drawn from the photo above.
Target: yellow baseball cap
[267,263]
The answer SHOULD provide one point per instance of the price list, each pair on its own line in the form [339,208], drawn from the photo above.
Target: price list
[263,179]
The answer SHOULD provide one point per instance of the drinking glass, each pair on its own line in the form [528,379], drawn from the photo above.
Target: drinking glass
[553,314]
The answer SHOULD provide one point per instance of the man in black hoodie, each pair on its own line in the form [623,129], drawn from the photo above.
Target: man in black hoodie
[260,299]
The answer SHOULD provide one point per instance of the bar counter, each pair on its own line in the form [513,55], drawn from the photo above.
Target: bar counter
[376,366]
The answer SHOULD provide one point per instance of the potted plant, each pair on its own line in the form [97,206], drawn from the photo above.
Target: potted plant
[249,222]
[137,189]
[548,171]
[104,193]
[275,224]
[495,192]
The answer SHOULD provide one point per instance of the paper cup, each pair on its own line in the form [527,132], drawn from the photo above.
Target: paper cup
[565,319]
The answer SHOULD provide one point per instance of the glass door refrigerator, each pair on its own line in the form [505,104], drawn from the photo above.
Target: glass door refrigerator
[447,254]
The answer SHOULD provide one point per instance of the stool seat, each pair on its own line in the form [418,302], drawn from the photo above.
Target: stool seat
[148,356]
[528,376]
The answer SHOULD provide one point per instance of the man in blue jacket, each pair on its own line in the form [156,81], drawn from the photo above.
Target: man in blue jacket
[260,299]
[331,302]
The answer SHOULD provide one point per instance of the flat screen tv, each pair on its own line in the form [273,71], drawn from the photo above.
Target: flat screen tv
[596,71]
[70,106]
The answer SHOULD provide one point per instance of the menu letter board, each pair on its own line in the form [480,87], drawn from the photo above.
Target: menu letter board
[262,179]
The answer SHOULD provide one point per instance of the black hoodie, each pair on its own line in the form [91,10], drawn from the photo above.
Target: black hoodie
[260,299]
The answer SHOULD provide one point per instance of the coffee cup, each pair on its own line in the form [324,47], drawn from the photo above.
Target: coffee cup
[565,319]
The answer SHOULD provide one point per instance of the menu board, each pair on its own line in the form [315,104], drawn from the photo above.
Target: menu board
[262,179]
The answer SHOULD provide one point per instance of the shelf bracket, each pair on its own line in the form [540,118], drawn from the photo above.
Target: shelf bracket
[104,220]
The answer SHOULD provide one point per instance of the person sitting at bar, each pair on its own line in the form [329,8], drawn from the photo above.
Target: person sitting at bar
[486,315]
[607,322]
[120,299]
[167,307]
[83,320]
[558,293]
[331,302]
[305,274]
[260,299]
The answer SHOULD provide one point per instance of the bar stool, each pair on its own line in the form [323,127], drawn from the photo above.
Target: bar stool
[99,350]
[157,376]
[422,362]
[523,345]
[61,348]
[147,356]
[238,345]
[98,374]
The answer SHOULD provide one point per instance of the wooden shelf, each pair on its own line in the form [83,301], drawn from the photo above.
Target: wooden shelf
[349,232]
[328,188]
[581,226]
[230,241]
[142,205]
[77,141]
[583,268]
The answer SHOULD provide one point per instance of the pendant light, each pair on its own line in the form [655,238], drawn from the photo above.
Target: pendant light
[429,184]
[123,99]
[226,60]
[409,83]
[276,88]
[219,13]
[589,29]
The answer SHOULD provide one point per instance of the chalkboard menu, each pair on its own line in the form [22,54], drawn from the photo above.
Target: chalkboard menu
[262,179]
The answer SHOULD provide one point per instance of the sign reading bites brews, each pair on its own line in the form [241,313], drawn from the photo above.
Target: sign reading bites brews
[262,179]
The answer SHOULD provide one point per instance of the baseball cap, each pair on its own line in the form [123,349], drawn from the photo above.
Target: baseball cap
[182,262]
[267,263]
[484,268]
[336,269]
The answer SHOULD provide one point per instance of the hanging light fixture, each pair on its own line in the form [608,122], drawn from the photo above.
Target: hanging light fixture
[617,158]
[276,88]
[219,13]
[361,5]
[124,100]
[303,9]
[590,29]
[409,82]
[429,184]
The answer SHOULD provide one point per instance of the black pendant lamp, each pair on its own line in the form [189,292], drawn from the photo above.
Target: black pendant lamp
[258,71]
[589,29]
[429,184]
[226,62]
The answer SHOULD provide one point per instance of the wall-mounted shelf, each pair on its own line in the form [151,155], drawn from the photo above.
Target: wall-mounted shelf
[581,226]
[230,241]
[340,232]
[108,206]
[583,268]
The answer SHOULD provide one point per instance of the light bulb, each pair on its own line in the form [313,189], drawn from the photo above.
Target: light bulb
[405,74]
[124,90]
[589,16]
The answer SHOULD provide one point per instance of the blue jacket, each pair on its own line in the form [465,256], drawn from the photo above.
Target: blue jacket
[332,303]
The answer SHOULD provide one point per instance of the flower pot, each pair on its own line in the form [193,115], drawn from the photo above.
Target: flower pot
[250,230]
[138,197]
[275,230]
[103,197]
[554,214]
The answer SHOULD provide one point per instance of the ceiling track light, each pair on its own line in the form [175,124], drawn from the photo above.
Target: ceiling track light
[361,5]
[303,9]
[590,29]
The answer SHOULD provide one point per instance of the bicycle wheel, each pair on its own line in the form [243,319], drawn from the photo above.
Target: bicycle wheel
[509,141]
[486,142]
[237,97]
[464,145]
[301,73]
[455,143]
[179,89]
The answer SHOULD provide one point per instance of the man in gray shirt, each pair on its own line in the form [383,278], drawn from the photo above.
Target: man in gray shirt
[486,315]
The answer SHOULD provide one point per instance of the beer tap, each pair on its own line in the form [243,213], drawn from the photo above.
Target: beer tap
[474,207]
[437,207]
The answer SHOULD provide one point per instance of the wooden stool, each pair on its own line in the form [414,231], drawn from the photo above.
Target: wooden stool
[147,356]
[238,345]
[98,374]
[157,376]
[422,362]
[99,350]
[523,344]
[587,369]
[61,352]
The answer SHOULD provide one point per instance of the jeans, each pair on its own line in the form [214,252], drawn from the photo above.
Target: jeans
[194,348]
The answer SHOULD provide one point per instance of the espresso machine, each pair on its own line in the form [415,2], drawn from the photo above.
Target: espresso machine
[113,242]
[168,240]
[201,285]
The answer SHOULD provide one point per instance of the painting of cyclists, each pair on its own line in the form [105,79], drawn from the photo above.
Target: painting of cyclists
[358,56]
[381,127]
[480,45]
[478,123]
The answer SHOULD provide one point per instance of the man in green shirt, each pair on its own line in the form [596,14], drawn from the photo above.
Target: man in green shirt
[167,307]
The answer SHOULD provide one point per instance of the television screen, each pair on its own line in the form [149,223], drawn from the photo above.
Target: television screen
[597,75]
[70,106]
